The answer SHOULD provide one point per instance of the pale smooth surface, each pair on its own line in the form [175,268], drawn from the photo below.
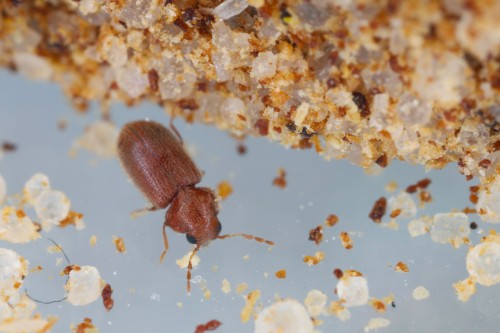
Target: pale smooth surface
[147,293]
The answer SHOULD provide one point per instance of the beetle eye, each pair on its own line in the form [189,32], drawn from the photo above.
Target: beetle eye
[219,228]
[191,239]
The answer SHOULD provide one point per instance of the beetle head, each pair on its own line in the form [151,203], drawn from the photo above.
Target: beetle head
[194,212]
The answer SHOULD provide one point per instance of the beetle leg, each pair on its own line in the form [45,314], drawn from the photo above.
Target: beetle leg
[165,242]
[142,211]
[172,127]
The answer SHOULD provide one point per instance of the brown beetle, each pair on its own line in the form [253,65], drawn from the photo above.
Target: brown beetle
[157,163]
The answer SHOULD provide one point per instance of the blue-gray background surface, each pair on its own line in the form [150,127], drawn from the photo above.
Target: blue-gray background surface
[29,112]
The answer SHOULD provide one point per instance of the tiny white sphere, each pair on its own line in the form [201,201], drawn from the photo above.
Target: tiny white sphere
[353,290]
[284,316]
[34,186]
[84,285]
[52,206]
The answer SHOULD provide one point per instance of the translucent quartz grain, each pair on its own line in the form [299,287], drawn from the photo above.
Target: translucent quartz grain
[450,228]
[284,316]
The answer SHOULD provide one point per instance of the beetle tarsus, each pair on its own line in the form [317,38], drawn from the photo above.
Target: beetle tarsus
[190,267]
[165,242]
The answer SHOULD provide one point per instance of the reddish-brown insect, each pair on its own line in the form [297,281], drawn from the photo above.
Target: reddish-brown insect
[156,162]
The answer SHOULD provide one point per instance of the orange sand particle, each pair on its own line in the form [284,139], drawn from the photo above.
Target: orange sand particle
[85,326]
[280,181]
[281,274]
[73,218]
[314,260]
[401,267]
[346,240]
[331,220]
[224,189]
[377,305]
[119,244]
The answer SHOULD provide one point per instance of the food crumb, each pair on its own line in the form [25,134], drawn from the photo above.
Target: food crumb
[212,325]
[377,305]
[8,147]
[338,273]
[465,289]
[314,260]
[85,326]
[224,189]
[401,267]
[284,316]
[226,286]
[403,205]
[346,240]
[93,240]
[420,293]
[376,323]
[315,302]
[336,308]
[240,288]
[242,149]
[246,257]
[73,218]
[331,220]
[378,210]
[251,299]
[420,225]
[281,274]
[107,298]
[280,181]
[392,186]
[119,244]
[316,235]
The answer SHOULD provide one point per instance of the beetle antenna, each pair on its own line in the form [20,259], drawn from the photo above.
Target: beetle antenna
[249,237]
[69,264]
[190,267]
